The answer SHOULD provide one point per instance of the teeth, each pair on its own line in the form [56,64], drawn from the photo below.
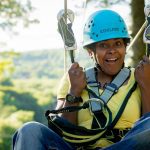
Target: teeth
[112,59]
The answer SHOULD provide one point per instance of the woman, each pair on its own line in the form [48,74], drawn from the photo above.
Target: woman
[105,38]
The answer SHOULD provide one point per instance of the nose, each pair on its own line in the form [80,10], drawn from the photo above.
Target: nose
[112,49]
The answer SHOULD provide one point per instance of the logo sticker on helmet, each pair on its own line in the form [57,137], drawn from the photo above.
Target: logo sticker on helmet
[109,30]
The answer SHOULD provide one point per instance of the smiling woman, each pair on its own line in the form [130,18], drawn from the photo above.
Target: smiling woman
[106,95]
[110,55]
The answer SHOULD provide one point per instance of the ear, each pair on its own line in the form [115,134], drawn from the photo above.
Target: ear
[90,52]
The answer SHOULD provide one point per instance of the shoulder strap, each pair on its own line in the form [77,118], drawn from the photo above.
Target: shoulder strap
[113,87]
[96,106]
[92,81]
[110,88]
[122,107]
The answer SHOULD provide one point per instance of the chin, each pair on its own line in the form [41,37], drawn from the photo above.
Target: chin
[111,72]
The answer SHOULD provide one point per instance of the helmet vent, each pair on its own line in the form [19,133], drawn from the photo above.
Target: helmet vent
[91,24]
[120,20]
[124,30]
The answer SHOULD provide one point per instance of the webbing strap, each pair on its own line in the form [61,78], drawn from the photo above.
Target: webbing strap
[110,88]
[113,87]
[92,81]
[96,107]
[80,136]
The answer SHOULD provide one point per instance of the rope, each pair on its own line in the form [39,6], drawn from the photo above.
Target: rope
[65,19]
[137,35]
[84,8]
[65,52]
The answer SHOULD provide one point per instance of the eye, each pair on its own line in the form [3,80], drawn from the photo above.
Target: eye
[103,45]
[118,43]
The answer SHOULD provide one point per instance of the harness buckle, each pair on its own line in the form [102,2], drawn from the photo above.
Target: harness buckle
[95,105]
[121,133]
[112,87]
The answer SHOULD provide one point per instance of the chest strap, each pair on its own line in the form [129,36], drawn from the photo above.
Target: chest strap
[99,101]
[110,89]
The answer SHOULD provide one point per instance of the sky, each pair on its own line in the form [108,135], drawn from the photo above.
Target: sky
[45,35]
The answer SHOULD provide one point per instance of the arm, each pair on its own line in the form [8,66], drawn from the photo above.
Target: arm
[142,76]
[77,84]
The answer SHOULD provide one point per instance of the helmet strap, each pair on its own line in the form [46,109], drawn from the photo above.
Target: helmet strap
[95,60]
[96,63]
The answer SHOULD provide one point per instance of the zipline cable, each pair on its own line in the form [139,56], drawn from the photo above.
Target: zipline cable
[65,52]
[137,35]
[146,35]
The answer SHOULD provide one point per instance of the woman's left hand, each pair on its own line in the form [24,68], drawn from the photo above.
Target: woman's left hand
[142,73]
[142,76]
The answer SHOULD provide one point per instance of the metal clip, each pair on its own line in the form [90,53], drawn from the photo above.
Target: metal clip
[95,105]
[65,29]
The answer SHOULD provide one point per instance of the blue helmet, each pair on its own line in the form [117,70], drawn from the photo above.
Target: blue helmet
[104,25]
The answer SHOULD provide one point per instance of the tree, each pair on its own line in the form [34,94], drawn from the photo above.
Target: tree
[13,11]
[6,65]
[138,18]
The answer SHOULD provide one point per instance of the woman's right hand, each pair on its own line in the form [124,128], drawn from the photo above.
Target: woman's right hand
[77,79]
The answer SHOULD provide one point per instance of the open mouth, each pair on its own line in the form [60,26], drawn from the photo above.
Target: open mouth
[111,60]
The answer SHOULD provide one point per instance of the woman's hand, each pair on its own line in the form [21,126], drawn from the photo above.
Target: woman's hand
[142,76]
[77,79]
[142,73]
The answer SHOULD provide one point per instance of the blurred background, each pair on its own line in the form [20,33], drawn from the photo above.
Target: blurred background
[32,58]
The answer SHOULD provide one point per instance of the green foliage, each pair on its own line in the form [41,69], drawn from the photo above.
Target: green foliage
[31,90]
[23,101]
[6,132]
[106,3]
[46,63]
[6,82]
[13,11]
[6,65]
[9,125]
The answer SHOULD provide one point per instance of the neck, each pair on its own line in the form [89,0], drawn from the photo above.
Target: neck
[104,78]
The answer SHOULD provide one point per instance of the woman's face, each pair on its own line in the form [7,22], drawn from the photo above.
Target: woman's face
[110,55]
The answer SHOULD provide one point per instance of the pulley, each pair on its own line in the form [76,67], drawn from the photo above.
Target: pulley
[65,21]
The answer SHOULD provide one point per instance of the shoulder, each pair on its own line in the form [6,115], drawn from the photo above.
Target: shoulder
[63,86]
[132,73]
[90,73]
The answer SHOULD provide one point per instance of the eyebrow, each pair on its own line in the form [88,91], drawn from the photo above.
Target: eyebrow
[109,39]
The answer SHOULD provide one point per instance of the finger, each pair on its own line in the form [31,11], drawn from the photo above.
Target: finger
[74,65]
[74,72]
[80,69]
[146,59]
[139,67]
